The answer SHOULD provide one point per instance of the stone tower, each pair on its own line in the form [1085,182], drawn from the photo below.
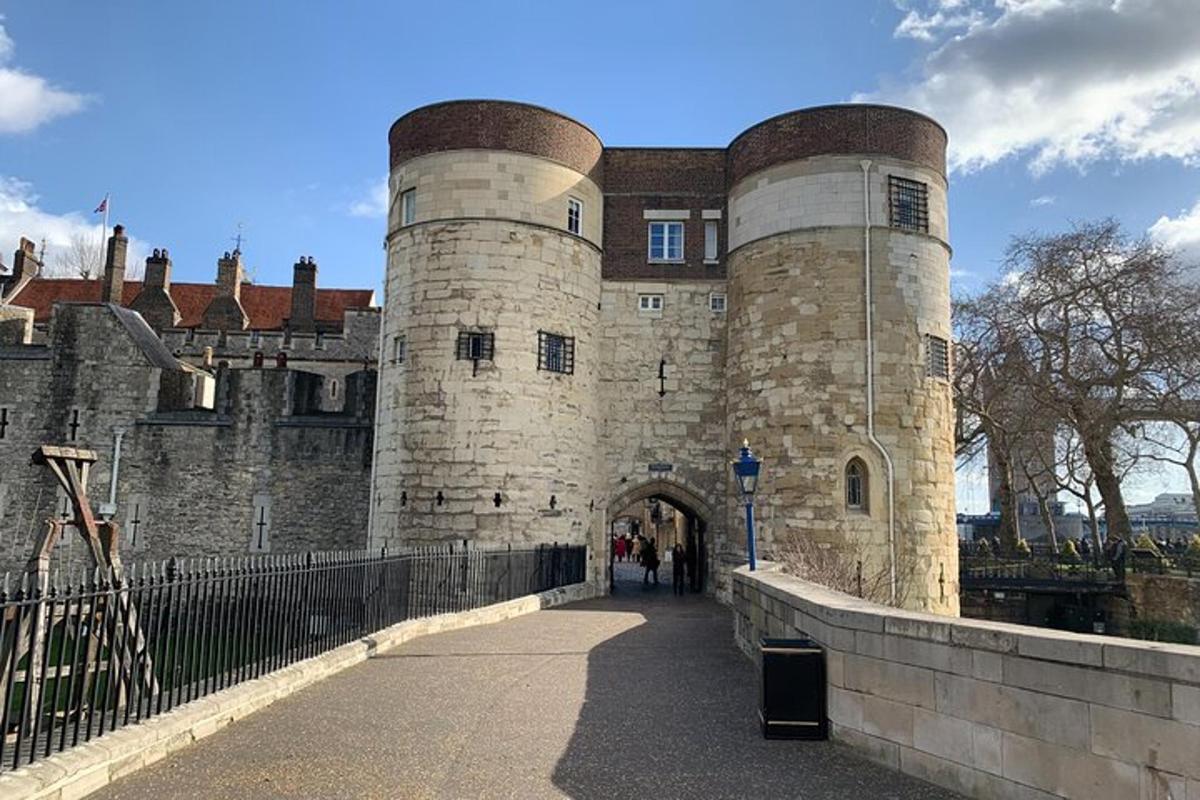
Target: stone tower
[856,433]
[488,419]
[574,331]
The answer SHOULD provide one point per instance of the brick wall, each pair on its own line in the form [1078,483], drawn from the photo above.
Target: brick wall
[988,709]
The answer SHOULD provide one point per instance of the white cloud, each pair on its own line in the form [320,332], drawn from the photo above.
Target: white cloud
[374,204]
[29,100]
[20,216]
[1181,233]
[1057,81]
[1044,200]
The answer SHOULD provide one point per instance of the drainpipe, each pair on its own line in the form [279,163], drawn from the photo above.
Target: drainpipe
[887,458]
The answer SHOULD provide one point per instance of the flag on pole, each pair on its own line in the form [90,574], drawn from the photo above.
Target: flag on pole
[100,209]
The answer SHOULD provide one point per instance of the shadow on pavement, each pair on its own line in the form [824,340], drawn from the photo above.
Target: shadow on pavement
[671,711]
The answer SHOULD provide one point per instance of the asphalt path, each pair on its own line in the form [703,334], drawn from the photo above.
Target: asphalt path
[638,695]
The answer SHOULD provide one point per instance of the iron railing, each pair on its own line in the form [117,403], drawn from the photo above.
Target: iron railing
[82,657]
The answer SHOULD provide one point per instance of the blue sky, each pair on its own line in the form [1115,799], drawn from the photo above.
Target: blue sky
[201,116]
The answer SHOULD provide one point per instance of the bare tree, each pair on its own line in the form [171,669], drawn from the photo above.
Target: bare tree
[1181,450]
[82,257]
[1107,331]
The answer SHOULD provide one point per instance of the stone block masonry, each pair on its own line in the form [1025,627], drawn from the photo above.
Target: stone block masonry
[988,709]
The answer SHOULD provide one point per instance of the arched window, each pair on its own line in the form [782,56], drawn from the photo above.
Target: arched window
[856,485]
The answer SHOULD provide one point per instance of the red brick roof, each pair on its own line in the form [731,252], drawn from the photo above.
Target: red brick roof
[266,306]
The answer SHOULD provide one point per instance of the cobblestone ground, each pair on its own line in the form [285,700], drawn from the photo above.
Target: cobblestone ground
[641,695]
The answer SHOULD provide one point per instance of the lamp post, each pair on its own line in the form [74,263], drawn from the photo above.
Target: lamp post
[745,469]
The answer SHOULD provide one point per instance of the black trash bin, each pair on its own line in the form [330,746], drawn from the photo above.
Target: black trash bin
[793,690]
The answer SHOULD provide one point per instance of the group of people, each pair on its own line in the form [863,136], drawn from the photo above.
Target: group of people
[644,551]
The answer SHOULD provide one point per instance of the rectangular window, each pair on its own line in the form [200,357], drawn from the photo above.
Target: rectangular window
[908,204]
[666,241]
[475,346]
[716,303]
[4,423]
[398,349]
[710,241]
[556,353]
[937,357]
[575,216]
[650,302]
[408,207]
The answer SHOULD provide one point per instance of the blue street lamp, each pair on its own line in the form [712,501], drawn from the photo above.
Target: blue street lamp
[746,469]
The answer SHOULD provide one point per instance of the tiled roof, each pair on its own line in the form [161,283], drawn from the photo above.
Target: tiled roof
[266,306]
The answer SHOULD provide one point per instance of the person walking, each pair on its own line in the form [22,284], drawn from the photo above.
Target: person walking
[677,563]
[637,550]
[650,561]
[1114,550]
[620,548]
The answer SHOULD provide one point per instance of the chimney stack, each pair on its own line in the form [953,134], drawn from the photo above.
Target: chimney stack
[225,312]
[154,302]
[113,282]
[25,268]
[304,295]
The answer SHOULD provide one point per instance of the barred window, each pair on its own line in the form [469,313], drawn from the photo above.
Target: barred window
[476,346]
[937,357]
[908,204]
[556,353]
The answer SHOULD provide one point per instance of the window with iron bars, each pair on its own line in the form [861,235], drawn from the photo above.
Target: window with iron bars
[556,353]
[908,204]
[937,357]
[475,346]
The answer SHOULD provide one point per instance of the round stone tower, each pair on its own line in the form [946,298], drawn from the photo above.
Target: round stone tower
[839,327]
[487,419]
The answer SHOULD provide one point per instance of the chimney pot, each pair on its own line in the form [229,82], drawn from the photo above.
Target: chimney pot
[113,282]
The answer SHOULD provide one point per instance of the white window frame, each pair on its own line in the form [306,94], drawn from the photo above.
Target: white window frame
[710,241]
[575,216]
[408,206]
[398,349]
[713,300]
[651,303]
[666,226]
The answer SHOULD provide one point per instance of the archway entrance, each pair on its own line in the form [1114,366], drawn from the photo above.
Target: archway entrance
[664,514]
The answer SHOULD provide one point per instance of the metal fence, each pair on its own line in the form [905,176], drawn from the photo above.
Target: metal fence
[79,658]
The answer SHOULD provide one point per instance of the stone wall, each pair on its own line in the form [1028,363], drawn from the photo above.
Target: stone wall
[988,709]
[796,377]
[685,426]
[190,481]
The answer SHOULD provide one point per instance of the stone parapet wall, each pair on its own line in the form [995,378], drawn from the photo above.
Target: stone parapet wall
[988,709]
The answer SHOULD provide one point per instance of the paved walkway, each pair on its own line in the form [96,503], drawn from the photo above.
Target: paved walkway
[642,695]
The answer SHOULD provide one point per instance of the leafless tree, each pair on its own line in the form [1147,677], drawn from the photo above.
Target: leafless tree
[1180,449]
[82,257]
[1107,331]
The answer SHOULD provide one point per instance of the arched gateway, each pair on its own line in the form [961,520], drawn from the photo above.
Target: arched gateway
[697,514]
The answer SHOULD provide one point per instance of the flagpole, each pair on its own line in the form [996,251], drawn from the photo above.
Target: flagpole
[104,230]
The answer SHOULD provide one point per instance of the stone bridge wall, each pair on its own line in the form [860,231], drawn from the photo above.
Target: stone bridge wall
[989,709]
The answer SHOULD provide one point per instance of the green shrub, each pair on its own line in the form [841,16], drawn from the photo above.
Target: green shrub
[1022,547]
[1157,630]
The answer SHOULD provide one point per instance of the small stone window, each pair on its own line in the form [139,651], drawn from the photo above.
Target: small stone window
[856,485]
[908,204]
[556,353]
[716,303]
[575,216]
[666,241]
[4,423]
[650,302]
[255,338]
[475,346]
[399,348]
[937,357]
[408,207]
